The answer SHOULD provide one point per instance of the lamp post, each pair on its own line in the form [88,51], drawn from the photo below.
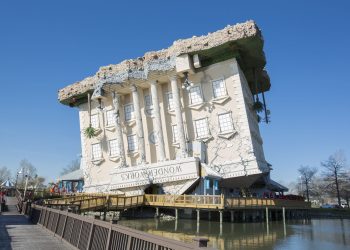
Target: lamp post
[25,187]
[19,172]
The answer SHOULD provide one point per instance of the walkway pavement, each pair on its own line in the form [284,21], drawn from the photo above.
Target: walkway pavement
[16,232]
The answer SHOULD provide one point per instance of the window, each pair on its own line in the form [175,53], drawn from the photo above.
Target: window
[96,151]
[148,104]
[170,100]
[110,118]
[175,133]
[114,148]
[195,94]
[94,121]
[202,129]
[129,112]
[219,88]
[132,143]
[225,123]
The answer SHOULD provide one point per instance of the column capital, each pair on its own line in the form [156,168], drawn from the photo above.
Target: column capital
[133,88]
[153,82]
[115,94]
[173,77]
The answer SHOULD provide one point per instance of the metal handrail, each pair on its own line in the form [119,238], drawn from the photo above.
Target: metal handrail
[84,232]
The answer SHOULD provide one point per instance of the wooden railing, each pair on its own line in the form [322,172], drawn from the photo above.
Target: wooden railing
[91,204]
[71,198]
[185,201]
[87,233]
[115,202]
[121,202]
[231,203]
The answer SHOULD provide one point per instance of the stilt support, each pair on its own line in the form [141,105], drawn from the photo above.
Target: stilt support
[232,216]
[267,215]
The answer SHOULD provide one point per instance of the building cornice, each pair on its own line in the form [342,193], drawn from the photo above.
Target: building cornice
[242,41]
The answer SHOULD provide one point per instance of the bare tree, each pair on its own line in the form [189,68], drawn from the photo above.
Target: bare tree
[26,168]
[5,174]
[345,189]
[335,173]
[318,189]
[74,165]
[307,174]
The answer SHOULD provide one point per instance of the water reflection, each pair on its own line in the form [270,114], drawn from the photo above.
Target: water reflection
[305,234]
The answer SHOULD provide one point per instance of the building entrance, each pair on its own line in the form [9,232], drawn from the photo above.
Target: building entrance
[153,189]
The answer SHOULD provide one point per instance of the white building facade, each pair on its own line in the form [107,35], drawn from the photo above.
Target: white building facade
[179,120]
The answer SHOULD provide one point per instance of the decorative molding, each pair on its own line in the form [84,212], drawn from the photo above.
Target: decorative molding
[114,158]
[227,135]
[130,123]
[133,153]
[221,100]
[97,161]
[205,139]
[197,106]
[110,128]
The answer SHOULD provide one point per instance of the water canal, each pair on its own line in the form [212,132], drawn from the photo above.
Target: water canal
[302,234]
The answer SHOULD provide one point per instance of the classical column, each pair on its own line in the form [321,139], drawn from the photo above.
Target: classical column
[139,126]
[178,114]
[116,104]
[157,122]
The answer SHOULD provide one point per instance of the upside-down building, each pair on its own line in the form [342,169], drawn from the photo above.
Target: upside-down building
[182,120]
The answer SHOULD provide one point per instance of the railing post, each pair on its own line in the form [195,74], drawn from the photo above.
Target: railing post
[200,242]
[64,224]
[58,219]
[128,245]
[88,246]
[41,212]
[71,232]
[43,224]
[109,235]
[81,227]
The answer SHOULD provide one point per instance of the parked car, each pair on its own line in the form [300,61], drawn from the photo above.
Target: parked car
[327,206]
[344,205]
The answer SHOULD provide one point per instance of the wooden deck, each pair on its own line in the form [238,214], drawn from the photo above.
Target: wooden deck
[205,202]
[16,232]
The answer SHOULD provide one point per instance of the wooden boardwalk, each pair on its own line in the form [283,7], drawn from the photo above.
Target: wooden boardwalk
[16,232]
[204,202]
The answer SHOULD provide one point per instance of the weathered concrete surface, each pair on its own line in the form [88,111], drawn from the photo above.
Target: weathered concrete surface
[164,60]
[16,232]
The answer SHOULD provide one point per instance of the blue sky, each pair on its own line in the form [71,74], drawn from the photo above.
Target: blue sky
[46,45]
